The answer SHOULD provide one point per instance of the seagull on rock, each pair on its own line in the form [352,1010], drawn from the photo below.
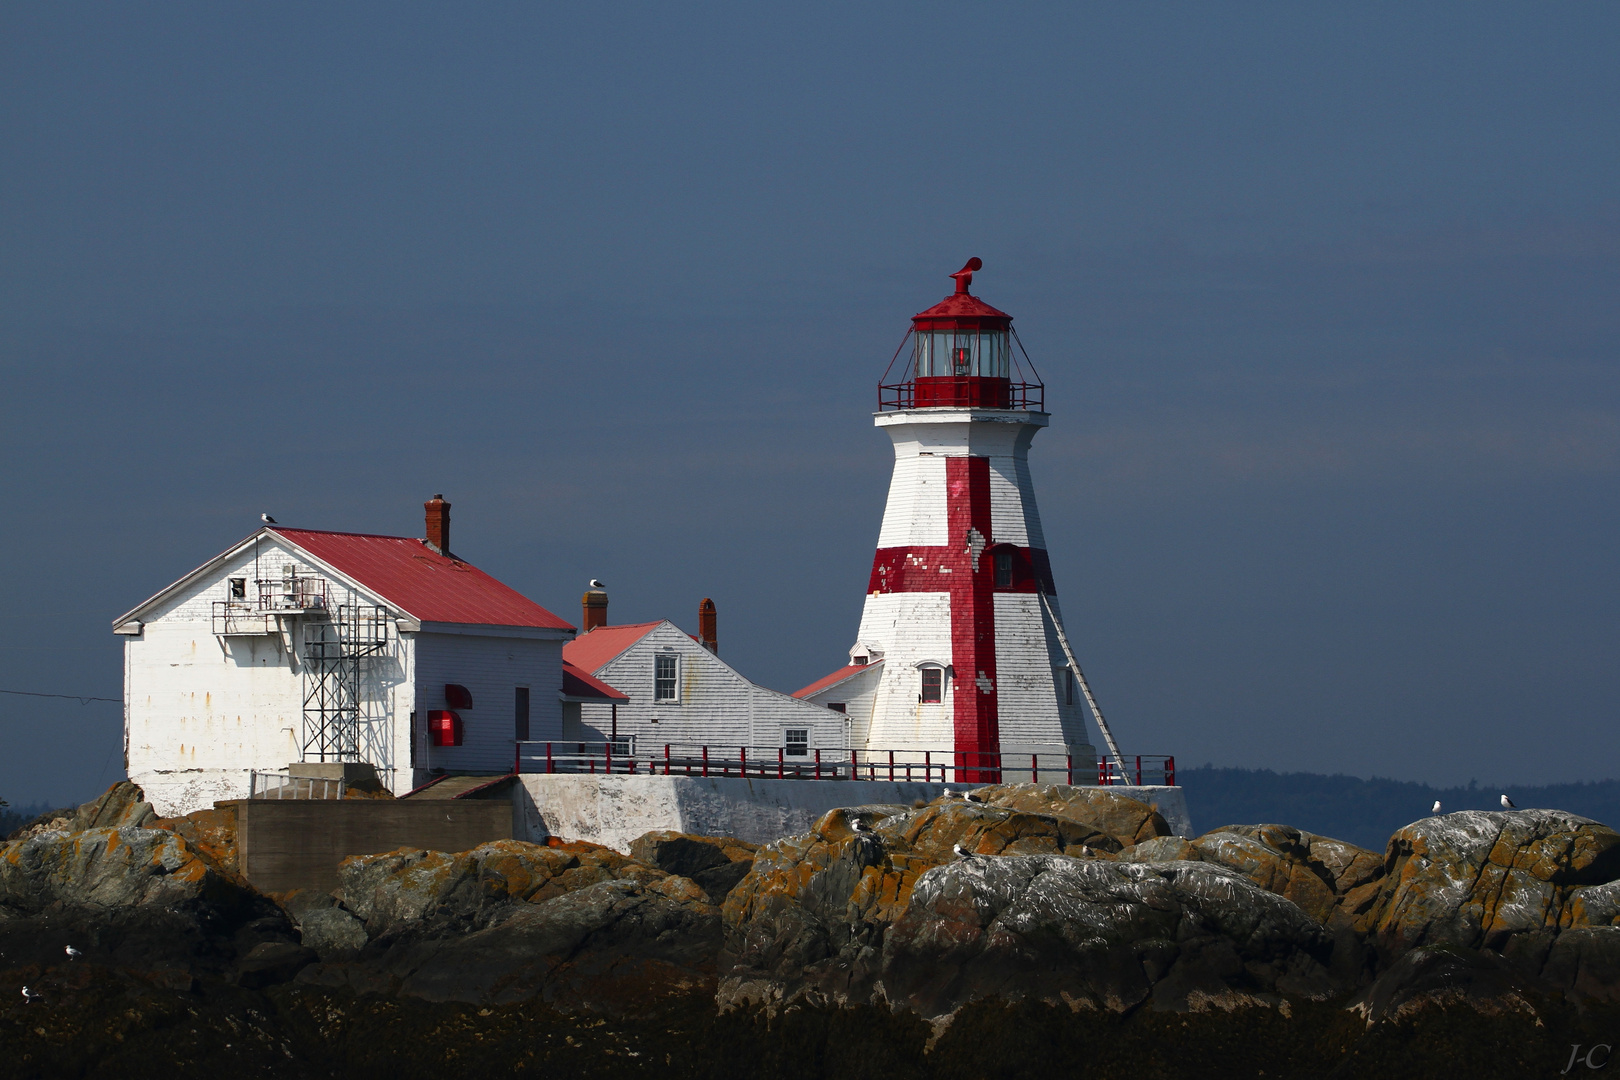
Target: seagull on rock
[267,519]
[857,825]
[973,797]
[1435,809]
[72,953]
[31,997]
[1507,803]
[962,852]
[949,794]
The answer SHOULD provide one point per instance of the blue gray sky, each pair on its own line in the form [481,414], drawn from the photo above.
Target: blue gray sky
[1325,299]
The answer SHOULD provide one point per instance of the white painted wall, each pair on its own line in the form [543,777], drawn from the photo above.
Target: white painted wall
[491,668]
[615,810]
[202,711]
[717,706]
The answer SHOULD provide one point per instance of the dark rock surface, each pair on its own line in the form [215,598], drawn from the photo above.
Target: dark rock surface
[1077,934]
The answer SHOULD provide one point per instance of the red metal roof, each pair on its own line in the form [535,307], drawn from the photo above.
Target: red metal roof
[591,651]
[577,684]
[961,310]
[847,672]
[411,576]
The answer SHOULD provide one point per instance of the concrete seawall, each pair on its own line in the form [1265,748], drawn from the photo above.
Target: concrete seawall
[614,810]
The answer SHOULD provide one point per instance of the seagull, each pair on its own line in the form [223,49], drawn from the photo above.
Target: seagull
[595,584]
[1086,851]
[31,997]
[1435,809]
[857,825]
[972,797]
[267,519]
[1507,803]
[962,852]
[72,953]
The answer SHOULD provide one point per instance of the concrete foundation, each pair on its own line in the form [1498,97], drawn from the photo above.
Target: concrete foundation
[614,810]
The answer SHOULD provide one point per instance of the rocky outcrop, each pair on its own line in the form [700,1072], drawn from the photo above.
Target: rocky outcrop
[102,868]
[1331,881]
[716,863]
[1128,821]
[1479,879]
[1097,934]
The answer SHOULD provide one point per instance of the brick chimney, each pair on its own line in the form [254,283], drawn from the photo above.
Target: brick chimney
[594,609]
[438,524]
[706,626]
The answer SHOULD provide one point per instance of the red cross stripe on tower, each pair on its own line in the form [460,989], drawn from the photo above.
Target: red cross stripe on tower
[967,570]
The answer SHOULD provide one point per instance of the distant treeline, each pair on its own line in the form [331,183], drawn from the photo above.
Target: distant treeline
[13,818]
[1364,812]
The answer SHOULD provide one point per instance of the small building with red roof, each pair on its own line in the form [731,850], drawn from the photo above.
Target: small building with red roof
[677,692]
[305,646]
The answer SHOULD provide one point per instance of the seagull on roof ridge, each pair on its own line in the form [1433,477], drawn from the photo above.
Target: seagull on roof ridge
[1507,803]
[267,519]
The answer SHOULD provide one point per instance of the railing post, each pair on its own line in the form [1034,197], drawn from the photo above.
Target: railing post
[705,760]
[1138,770]
[928,768]
[1170,771]
[779,763]
[854,765]
[551,764]
[608,755]
[743,752]
[1071,770]
[1034,769]
[891,767]
[818,763]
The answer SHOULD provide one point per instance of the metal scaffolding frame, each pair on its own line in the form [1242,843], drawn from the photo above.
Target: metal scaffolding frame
[335,651]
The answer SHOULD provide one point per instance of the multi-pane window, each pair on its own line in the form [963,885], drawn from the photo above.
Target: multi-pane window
[933,685]
[961,352]
[238,588]
[796,742]
[664,677]
[1004,569]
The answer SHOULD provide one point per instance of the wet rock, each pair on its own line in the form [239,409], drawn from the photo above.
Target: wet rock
[1585,962]
[272,962]
[1097,934]
[1128,821]
[615,946]
[1477,878]
[716,863]
[1440,975]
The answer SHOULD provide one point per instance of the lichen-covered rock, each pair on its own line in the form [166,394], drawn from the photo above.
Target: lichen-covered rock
[1128,821]
[120,805]
[1478,878]
[102,867]
[1097,934]
[211,836]
[808,922]
[1332,881]
[716,863]
[1444,975]
[408,885]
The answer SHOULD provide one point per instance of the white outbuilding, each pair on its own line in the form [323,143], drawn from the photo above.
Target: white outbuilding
[297,645]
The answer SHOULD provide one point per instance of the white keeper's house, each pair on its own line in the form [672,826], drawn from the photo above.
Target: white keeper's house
[303,646]
[677,692]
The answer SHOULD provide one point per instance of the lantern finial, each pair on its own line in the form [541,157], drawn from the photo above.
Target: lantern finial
[964,276]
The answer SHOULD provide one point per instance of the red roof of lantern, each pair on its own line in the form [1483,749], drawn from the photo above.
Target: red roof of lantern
[962,310]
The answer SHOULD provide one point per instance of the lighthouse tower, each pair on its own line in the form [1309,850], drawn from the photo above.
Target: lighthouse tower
[957,653]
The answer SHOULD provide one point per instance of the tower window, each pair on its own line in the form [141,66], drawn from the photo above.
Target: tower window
[1004,569]
[933,685]
[1066,682]
[664,677]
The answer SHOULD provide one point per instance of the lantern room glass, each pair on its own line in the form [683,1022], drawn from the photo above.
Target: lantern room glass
[960,352]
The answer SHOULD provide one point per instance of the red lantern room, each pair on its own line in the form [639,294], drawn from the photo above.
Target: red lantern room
[961,355]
